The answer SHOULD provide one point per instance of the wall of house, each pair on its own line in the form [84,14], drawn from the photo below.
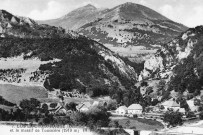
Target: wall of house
[134,111]
[120,111]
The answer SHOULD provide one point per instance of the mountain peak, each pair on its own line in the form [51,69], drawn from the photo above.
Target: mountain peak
[129,3]
[90,6]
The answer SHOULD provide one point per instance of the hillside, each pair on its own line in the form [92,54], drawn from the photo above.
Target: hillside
[61,61]
[13,26]
[129,29]
[179,62]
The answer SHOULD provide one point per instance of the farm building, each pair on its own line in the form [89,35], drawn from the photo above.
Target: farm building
[172,104]
[84,107]
[192,105]
[121,110]
[135,109]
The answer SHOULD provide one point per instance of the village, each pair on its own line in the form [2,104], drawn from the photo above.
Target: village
[191,112]
[61,104]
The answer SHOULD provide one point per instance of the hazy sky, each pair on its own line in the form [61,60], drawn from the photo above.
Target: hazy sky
[187,12]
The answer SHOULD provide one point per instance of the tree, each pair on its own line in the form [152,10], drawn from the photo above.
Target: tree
[126,101]
[183,104]
[29,105]
[112,104]
[144,84]
[201,98]
[190,114]
[173,118]
[201,116]
[71,106]
[155,102]
[45,108]
[53,105]
[197,102]
[149,90]
[161,87]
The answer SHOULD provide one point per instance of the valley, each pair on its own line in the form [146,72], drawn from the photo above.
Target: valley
[127,67]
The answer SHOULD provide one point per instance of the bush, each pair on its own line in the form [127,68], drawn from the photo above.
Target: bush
[53,105]
[135,116]
[173,118]
[190,114]
[201,116]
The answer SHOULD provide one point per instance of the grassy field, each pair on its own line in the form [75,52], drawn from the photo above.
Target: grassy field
[138,123]
[15,94]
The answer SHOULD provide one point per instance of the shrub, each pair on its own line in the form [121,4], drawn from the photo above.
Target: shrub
[173,118]
[53,105]
[201,116]
[135,116]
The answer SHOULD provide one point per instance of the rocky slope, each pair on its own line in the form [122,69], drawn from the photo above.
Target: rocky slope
[22,27]
[129,29]
[30,54]
[180,61]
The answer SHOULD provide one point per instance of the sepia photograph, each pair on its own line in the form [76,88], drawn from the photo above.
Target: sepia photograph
[101,67]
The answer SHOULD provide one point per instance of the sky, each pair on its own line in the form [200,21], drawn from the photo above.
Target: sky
[187,12]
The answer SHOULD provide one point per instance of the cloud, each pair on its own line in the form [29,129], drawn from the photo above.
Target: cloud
[54,10]
[172,12]
[187,15]
[9,5]
[196,18]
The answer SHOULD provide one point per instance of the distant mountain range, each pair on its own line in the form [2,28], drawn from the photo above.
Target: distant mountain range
[129,29]
[33,54]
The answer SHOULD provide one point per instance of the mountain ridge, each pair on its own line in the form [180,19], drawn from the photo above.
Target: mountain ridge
[128,29]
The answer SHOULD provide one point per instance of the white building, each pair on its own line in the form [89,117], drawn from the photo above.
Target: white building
[182,110]
[192,106]
[171,104]
[121,110]
[135,109]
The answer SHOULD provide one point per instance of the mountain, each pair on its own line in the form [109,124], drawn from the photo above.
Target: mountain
[14,26]
[77,18]
[31,55]
[129,29]
[180,62]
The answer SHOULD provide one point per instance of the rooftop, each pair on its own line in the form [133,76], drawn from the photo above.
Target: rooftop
[135,107]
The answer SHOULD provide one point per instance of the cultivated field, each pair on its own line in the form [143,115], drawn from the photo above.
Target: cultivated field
[15,94]
[138,123]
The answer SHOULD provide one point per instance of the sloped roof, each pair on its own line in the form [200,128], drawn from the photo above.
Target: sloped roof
[85,104]
[122,107]
[135,107]
[190,103]
[171,103]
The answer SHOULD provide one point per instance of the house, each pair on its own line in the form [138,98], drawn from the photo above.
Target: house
[95,103]
[58,108]
[182,110]
[135,109]
[121,110]
[171,104]
[192,106]
[84,107]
